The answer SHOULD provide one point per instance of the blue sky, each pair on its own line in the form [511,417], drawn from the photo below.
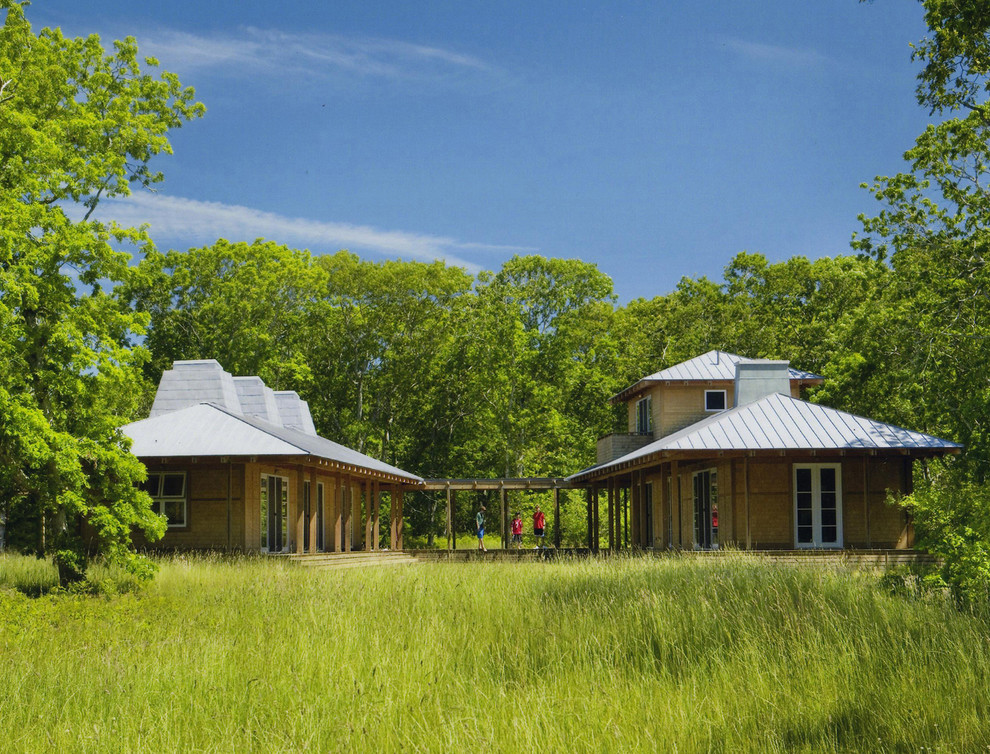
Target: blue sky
[655,139]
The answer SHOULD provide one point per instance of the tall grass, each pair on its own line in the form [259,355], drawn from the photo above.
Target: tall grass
[593,655]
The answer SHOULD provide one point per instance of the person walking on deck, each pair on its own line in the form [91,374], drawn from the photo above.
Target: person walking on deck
[480,519]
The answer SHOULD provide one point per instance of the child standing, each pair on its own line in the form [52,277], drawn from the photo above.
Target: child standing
[517,531]
[539,524]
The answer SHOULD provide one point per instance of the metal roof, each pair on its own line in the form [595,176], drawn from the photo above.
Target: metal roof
[780,422]
[294,412]
[207,430]
[189,383]
[257,399]
[714,366]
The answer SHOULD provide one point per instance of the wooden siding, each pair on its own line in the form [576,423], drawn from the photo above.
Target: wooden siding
[676,406]
[868,521]
[207,506]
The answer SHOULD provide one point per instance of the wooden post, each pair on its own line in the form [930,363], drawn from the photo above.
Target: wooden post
[675,485]
[368,517]
[625,517]
[393,507]
[866,501]
[556,517]
[450,520]
[453,516]
[596,538]
[610,504]
[590,515]
[347,509]
[504,502]
[376,502]
[398,503]
[749,539]
[633,510]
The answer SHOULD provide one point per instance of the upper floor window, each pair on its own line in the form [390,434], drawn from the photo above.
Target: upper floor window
[168,495]
[644,416]
[714,400]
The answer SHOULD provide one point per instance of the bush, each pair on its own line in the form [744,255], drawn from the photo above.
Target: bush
[952,521]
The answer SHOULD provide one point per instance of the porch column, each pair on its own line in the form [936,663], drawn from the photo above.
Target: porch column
[625,516]
[450,526]
[346,511]
[400,518]
[749,539]
[504,525]
[597,534]
[611,514]
[675,486]
[376,496]
[556,518]
[590,515]
[634,522]
[866,502]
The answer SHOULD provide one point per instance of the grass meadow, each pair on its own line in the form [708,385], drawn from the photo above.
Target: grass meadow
[593,655]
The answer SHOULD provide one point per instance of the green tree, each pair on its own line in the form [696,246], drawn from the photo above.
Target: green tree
[239,303]
[76,125]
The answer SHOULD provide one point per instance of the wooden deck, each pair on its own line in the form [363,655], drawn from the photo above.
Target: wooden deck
[856,559]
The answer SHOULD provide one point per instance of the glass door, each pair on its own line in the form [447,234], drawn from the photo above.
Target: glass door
[818,505]
[706,510]
[274,513]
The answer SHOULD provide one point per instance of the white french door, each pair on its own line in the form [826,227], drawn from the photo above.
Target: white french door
[818,505]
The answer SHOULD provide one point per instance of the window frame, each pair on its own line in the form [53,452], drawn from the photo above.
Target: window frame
[817,543]
[159,499]
[646,401]
[725,401]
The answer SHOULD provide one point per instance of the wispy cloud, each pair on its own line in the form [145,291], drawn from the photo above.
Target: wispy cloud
[790,57]
[190,222]
[252,52]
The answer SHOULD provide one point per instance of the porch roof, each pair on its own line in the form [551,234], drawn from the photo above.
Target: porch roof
[779,423]
[208,430]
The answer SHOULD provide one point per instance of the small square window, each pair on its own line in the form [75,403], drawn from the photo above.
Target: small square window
[714,400]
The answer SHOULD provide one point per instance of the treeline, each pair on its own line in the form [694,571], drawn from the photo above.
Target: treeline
[425,366]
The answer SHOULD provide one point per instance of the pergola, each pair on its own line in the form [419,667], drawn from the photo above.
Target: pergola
[503,486]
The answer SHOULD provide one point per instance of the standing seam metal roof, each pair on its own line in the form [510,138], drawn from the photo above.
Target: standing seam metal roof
[208,430]
[780,422]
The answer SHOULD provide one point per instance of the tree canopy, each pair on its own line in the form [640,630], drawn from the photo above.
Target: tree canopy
[77,124]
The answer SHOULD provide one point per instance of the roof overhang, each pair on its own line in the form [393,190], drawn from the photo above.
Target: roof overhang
[640,463]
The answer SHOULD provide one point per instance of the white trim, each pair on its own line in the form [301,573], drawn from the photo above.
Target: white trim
[816,506]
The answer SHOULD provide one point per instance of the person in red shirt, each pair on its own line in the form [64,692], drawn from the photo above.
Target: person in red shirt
[539,524]
[517,531]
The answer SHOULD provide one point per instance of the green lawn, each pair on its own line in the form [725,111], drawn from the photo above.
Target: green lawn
[589,655]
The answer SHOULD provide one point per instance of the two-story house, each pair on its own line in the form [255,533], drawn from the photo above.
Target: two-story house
[721,450]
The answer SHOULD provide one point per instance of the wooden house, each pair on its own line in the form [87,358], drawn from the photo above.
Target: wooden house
[235,465]
[721,450]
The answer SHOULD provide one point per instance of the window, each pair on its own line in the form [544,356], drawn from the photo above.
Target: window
[644,416]
[168,495]
[714,400]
